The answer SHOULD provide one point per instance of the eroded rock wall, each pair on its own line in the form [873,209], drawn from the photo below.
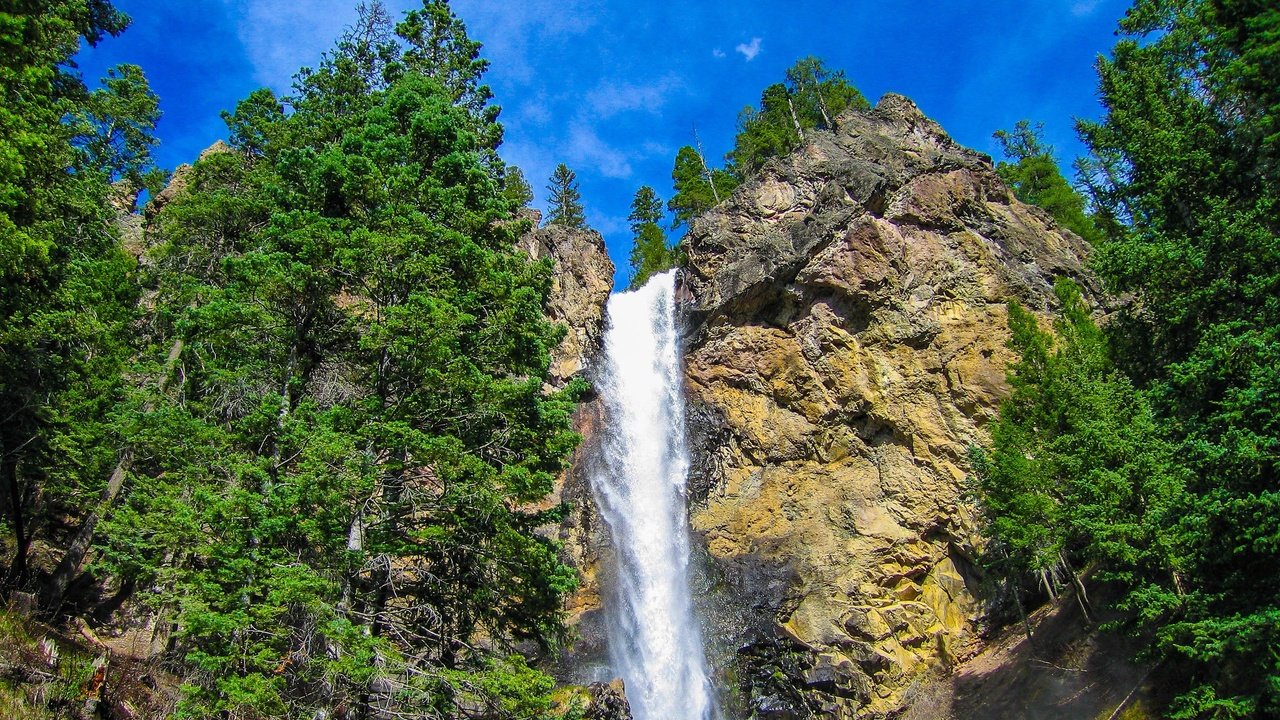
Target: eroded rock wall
[582,278]
[847,312]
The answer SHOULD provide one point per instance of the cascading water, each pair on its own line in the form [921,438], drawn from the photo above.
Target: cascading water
[654,639]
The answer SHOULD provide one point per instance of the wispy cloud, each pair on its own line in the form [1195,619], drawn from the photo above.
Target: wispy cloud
[280,36]
[1083,8]
[606,223]
[534,111]
[585,147]
[749,50]
[610,98]
[514,32]
[653,147]
[717,53]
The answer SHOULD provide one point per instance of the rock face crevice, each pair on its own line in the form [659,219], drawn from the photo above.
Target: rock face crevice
[846,345]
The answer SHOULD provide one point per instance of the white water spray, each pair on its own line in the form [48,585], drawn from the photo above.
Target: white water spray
[653,636]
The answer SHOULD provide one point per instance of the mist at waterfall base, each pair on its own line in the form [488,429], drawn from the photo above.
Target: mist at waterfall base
[654,640]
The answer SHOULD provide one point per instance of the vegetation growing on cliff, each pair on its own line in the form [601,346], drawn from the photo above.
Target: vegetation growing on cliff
[322,426]
[1032,173]
[307,421]
[565,199]
[61,148]
[812,97]
[1183,174]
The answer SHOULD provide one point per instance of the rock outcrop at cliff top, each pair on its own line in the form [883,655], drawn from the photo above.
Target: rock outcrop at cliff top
[580,285]
[847,347]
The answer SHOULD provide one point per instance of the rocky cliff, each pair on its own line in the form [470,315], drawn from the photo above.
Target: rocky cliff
[581,281]
[582,278]
[847,330]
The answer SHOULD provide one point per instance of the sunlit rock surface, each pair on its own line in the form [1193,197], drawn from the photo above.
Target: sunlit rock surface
[581,280]
[847,330]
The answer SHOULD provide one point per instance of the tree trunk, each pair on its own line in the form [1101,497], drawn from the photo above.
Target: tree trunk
[17,519]
[822,102]
[706,171]
[73,559]
[1081,596]
[795,118]
[1022,614]
[1048,585]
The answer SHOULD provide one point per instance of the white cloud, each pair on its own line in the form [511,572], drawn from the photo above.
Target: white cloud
[584,146]
[717,53]
[605,223]
[1082,8]
[533,112]
[749,50]
[653,147]
[280,36]
[610,98]
[512,31]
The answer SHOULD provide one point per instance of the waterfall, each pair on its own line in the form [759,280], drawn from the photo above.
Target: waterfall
[654,639]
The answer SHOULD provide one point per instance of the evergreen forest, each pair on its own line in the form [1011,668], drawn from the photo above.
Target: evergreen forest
[301,436]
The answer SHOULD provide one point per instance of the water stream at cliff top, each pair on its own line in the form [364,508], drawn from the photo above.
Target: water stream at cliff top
[654,640]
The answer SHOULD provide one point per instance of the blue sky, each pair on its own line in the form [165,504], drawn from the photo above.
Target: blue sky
[614,88]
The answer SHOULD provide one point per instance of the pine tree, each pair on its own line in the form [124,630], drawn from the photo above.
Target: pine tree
[696,187]
[66,292]
[646,209]
[438,46]
[1166,473]
[1034,177]
[649,251]
[813,96]
[332,497]
[1078,474]
[565,198]
[1185,161]
[515,188]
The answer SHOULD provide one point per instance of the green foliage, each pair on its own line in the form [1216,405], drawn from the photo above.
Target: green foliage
[438,47]
[697,188]
[650,254]
[343,422]
[1034,177]
[766,132]
[1078,473]
[1183,173]
[1186,157]
[820,94]
[813,96]
[65,671]
[515,188]
[565,199]
[646,209]
[66,293]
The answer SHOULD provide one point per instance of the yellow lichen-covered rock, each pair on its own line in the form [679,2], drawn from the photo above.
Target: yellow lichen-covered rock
[848,346]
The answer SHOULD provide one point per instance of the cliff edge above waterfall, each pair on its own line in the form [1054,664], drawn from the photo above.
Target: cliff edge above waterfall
[847,346]
[581,280]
